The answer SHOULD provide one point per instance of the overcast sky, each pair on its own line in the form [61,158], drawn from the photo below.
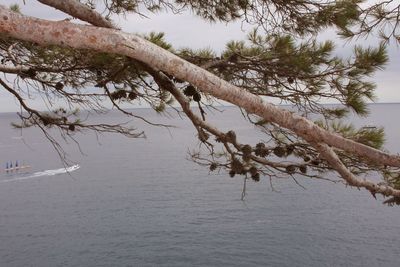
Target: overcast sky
[186,30]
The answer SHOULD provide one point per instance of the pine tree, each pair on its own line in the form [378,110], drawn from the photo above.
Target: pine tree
[90,66]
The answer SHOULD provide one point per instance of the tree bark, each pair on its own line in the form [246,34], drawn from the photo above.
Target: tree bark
[80,11]
[67,34]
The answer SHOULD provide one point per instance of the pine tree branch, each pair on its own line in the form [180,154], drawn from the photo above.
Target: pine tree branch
[100,39]
[329,154]
[80,11]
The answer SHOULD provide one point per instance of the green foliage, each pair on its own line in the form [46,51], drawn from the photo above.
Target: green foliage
[212,10]
[15,8]
[158,39]
[197,57]
[122,6]
[101,60]
[346,13]
[279,66]
[370,59]
[368,135]
[342,14]
[374,137]
[336,112]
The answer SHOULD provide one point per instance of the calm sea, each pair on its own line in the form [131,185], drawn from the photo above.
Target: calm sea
[140,202]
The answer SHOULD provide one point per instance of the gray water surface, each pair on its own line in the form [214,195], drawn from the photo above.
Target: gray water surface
[139,202]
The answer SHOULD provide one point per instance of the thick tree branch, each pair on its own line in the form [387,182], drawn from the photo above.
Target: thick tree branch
[80,11]
[329,155]
[100,39]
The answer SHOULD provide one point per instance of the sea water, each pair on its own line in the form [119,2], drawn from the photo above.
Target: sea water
[140,202]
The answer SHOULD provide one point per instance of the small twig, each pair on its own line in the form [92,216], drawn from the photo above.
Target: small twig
[244,188]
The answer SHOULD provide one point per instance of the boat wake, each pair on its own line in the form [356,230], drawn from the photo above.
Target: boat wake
[44,173]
